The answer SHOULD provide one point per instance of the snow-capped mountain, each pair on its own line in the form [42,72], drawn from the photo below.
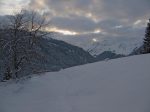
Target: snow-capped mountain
[116,45]
[96,44]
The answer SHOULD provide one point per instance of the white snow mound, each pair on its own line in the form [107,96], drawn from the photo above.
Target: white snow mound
[121,85]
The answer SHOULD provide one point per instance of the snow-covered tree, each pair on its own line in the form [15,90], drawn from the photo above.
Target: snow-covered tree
[17,41]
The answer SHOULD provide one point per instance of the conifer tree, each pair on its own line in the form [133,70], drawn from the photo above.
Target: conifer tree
[147,39]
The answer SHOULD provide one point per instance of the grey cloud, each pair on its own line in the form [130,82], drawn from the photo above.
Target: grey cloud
[132,9]
[73,14]
[103,9]
[109,23]
[78,24]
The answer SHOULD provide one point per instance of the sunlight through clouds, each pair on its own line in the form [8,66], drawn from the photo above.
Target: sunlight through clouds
[113,17]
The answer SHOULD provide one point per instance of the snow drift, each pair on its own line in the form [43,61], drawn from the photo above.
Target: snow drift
[121,85]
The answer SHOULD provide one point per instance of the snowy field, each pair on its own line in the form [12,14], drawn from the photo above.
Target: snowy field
[121,85]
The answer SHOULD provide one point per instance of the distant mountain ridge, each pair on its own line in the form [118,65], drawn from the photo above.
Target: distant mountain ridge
[106,55]
[96,44]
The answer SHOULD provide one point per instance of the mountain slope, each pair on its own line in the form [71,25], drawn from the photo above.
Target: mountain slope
[63,55]
[120,85]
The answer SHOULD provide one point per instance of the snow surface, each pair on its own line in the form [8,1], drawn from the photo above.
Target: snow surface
[121,85]
[96,44]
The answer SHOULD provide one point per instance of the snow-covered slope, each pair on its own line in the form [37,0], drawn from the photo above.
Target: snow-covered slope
[121,85]
[98,43]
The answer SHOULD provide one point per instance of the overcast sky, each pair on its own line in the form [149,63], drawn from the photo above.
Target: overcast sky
[108,17]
